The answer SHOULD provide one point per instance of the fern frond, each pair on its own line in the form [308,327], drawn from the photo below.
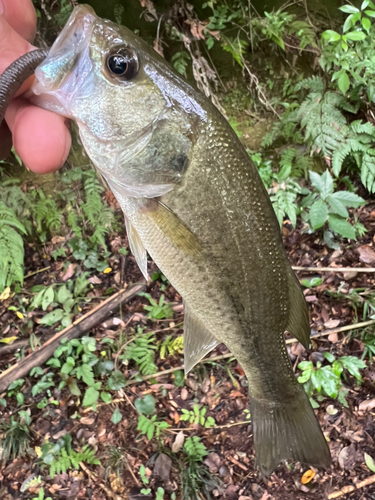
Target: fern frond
[313,83]
[11,247]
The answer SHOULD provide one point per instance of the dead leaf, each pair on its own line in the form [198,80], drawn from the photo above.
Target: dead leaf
[162,467]
[307,476]
[178,442]
[95,280]
[332,323]
[366,254]
[333,337]
[368,404]
[346,457]
[213,462]
[184,393]
[8,340]
[87,420]
[71,269]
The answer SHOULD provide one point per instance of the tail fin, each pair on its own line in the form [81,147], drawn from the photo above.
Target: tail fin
[287,432]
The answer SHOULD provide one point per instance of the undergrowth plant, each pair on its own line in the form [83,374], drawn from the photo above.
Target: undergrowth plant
[198,416]
[328,208]
[15,437]
[326,380]
[60,456]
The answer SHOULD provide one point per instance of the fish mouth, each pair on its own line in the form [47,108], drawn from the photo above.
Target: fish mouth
[73,39]
[62,66]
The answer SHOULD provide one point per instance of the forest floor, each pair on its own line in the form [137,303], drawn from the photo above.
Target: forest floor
[219,385]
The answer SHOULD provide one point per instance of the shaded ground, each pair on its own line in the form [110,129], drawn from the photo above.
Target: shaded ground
[231,461]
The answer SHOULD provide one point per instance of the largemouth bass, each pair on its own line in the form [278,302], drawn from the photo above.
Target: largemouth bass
[193,199]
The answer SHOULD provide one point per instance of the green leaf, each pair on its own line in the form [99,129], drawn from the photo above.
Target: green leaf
[318,214]
[343,83]
[48,297]
[316,181]
[85,373]
[337,207]
[106,397]
[366,23]
[348,199]
[370,13]
[146,405]
[353,365]
[52,317]
[331,36]
[329,357]
[91,396]
[341,226]
[116,416]
[349,9]
[330,381]
[365,4]
[349,22]
[370,462]
[356,35]
[116,381]
[179,378]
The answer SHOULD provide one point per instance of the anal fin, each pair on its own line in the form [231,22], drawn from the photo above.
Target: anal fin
[298,323]
[198,340]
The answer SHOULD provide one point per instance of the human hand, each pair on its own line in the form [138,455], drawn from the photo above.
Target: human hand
[41,138]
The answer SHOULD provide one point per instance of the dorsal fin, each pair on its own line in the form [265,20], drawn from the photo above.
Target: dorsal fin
[198,340]
[298,323]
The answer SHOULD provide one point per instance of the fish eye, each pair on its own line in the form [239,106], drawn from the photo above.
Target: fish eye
[122,63]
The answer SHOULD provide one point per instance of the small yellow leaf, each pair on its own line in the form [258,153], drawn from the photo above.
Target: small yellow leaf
[5,294]
[79,308]
[8,340]
[307,476]
[38,451]
[19,315]
[107,270]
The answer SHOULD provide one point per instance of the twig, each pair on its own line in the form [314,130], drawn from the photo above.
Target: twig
[37,272]
[335,269]
[77,329]
[230,355]
[348,489]
[225,426]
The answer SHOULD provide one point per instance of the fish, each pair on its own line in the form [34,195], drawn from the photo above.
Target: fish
[193,200]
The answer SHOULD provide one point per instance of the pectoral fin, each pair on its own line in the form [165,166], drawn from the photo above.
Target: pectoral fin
[198,340]
[173,228]
[137,248]
[298,323]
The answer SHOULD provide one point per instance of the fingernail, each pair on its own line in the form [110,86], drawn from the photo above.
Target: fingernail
[1,7]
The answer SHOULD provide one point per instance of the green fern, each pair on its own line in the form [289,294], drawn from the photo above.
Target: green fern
[195,449]
[11,247]
[324,124]
[142,351]
[68,459]
[150,426]
[46,214]
[313,83]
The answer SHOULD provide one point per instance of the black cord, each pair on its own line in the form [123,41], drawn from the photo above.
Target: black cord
[15,74]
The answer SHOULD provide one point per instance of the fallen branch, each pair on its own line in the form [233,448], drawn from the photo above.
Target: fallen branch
[349,489]
[335,269]
[77,329]
[230,355]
